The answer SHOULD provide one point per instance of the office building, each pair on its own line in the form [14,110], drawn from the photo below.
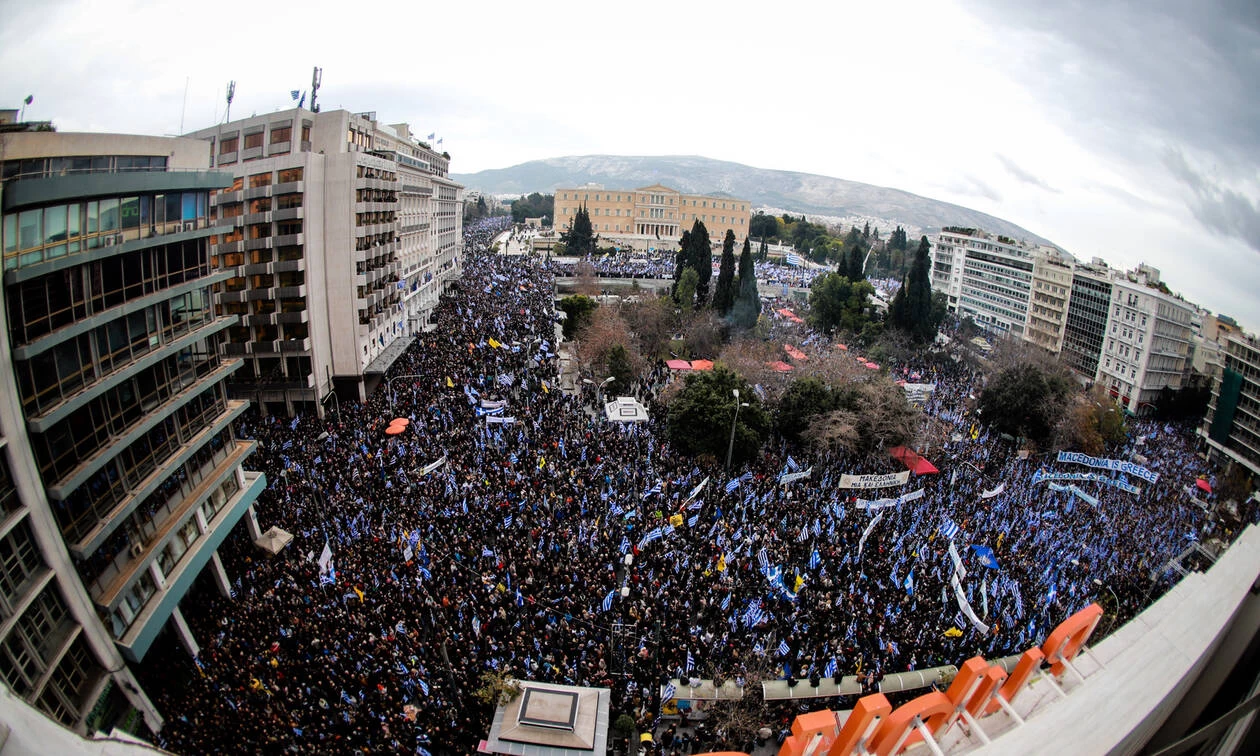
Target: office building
[344,232]
[1047,307]
[652,217]
[985,277]
[119,471]
[1085,325]
[1148,346]
[1231,426]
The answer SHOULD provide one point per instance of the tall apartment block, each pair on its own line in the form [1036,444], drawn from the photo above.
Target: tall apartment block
[984,276]
[1085,323]
[1149,339]
[1232,424]
[343,232]
[119,471]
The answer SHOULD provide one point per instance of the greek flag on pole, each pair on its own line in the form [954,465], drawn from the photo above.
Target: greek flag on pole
[949,528]
[668,693]
[734,484]
[803,535]
[691,663]
[783,648]
[424,686]
[814,560]
[792,465]
[507,521]
[652,535]
[608,600]
[726,602]
[625,545]
[691,521]
[793,259]
[653,490]
[294,93]
[830,671]
[763,558]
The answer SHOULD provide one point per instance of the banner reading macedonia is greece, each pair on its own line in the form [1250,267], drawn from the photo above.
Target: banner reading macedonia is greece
[875,481]
[1109,464]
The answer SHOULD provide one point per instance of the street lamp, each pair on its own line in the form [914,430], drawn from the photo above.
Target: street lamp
[731,445]
[1114,597]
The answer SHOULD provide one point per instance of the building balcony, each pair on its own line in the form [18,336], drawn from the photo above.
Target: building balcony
[258,269]
[295,345]
[301,316]
[227,198]
[250,219]
[289,292]
[225,158]
[251,153]
[279,148]
[288,240]
[288,187]
[235,348]
[288,213]
[263,243]
[290,266]
[145,627]
[255,192]
[228,248]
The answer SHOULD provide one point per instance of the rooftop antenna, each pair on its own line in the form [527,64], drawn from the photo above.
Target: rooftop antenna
[316,76]
[231,92]
[184,109]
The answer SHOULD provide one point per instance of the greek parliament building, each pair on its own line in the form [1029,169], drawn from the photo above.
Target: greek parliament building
[340,233]
[120,474]
[653,217]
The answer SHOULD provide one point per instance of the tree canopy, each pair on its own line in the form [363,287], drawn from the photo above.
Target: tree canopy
[835,302]
[912,311]
[577,310]
[1025,401]
[534,206]
[579,240]
[700,416]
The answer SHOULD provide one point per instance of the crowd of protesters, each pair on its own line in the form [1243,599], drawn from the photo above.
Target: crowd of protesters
[490,536]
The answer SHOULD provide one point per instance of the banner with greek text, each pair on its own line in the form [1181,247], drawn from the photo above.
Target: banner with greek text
[993,492]
[785,479]
[875,481]
[881,503]
[1042,476]
[432,466]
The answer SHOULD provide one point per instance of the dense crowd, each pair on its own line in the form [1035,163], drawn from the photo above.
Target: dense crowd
[630,265]
[509,555]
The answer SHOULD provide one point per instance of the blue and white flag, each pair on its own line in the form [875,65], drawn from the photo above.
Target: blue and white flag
[985,556]
[726,602]
[814,560]
[653,490]
[625,545]
[803,535]
[487,552]
[949,528]
[691,662]
[783,648]
[832,667]
[608,600]
[691,521]
[763,558]
[424,686]
[652,535]
[732,485]
[792,465]
[668,693]
[793,259]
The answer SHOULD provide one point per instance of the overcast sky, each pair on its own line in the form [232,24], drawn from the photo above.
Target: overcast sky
[1125,130]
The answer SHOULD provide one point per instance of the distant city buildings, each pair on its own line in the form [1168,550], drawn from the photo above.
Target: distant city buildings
[342,232]
[1231,426]
[120,474]
[651,217]
[1124,330]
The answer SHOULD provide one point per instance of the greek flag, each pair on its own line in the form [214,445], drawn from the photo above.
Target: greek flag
[830,671]
[691,521]
[734,484]
[691,663]
[949,528]
[814,560]
[346,697]
[791,463]
[506,379]
[653,490]
[487,552]
[763,558]
[625,545]
[287,445]
[520,600]
[793,259]
[783,648]
[425,572]
[507,521]
[294,93]
[424,686]
[803,535]
[608,600]
[726,602]
[652,535]
[695,505]
[668,693]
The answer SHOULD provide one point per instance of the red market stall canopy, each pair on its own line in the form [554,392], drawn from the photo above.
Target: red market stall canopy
[678,364]
[779,366]
[913,462]
[394,430]
[794,353]
[1203,485]
[872,366]
[701,364]
[842,347]
[400,421]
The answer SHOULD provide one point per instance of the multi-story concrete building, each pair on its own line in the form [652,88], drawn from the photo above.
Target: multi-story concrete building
[1231,426]
[344,232]
[984,276]
[1085,325]
[1051,290]
[652,216]
[1148,341]
[119,471]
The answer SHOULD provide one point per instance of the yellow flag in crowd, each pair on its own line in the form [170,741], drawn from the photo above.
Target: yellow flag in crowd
[356,590]
[721,563]
[493,343]
[449,383]
[799,582]
[675,520]
[545,391]
[1001,537]
[541,463]
[953,632]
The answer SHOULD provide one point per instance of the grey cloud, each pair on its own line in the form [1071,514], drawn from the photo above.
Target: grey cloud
[973,187]
[1013,168]
[1117,69]
[1219,208]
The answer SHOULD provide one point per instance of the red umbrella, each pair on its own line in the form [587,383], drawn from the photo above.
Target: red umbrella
[1203,485]
[394,430]
[400,421]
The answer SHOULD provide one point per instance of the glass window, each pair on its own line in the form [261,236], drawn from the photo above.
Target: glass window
[109,215]
[129,212]
[281,134]
[31,228]
[93,218]
[253,140]
[228,145]
[10,233]
[54,224]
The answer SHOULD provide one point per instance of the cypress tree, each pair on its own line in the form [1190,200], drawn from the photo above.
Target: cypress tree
[701,261]
[747,302]
[724,292]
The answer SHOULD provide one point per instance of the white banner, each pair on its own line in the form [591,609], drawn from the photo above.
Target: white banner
[967,611]
[875,481]
[1075,490]
[500,420]
[993,492]
[696,491]
[785,479]
[1109,464]
[960,572]
[432,466]
[867,532]
[881,503]
[1123,485]
[487,404]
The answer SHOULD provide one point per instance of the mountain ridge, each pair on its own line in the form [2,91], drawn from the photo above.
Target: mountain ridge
[792,191]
